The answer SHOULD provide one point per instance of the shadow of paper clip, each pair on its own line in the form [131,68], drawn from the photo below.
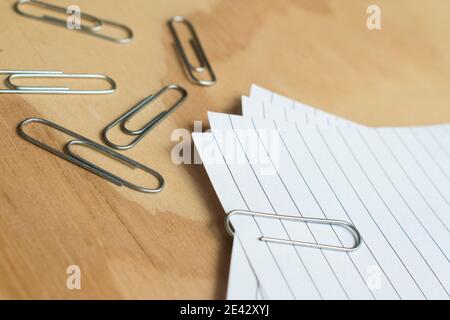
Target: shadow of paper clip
[339,223]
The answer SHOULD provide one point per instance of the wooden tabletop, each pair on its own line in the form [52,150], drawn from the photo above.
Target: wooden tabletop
[131,245]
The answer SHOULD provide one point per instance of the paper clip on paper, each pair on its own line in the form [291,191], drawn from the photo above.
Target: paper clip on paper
[94,30]
[193,71]
[17,74]
[69,155]
[339,223]
[141,133]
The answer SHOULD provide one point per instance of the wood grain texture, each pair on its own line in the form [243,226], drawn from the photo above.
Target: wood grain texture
[173,245]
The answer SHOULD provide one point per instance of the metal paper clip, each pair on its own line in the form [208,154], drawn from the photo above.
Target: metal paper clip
[339,223]
[198,49]
[93,30]
[97,23]
[141,133]
[16,74]
[69,155]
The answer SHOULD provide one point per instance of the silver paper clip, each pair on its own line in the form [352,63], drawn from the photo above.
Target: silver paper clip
[94,30]
[339,223]
[141,133]
[69,155]
[199,52]
[17,74]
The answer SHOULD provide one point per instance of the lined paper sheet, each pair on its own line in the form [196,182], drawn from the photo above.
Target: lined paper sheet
[304,114]
[231,195]
[255,107]
[292,108]
[242,281]
[260,109]
[395,262]
[260,105]
[428,144]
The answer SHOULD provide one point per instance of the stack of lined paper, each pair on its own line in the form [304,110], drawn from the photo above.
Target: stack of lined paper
[286,158]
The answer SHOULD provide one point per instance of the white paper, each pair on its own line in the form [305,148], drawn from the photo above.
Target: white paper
[410,274]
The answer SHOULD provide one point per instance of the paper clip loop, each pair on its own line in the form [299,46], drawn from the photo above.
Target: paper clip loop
[199,52]
[339,223]
[69,155]
[93,30]
[141,133]
[16,74]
